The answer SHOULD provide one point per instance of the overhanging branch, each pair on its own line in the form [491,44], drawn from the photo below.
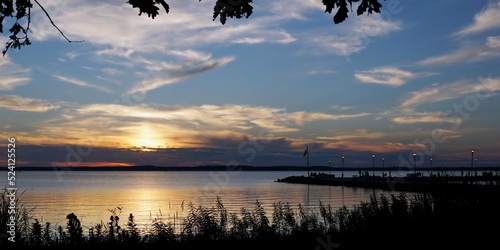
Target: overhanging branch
[53,24]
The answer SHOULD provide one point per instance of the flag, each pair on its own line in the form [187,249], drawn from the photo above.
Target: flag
[306,152]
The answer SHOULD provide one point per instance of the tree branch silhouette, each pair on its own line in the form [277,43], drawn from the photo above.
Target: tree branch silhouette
[18,34]
[223,9]
[53,24]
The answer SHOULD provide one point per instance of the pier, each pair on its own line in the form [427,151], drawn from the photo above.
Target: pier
[413,182]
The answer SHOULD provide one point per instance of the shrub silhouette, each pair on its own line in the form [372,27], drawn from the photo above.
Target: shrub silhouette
[74,229]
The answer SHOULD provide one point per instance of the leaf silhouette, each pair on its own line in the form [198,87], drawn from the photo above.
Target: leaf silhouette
[149,6]
[341,14]
[232,8]
[369,6]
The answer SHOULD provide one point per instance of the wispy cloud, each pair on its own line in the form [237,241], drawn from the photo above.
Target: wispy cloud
[373,147]
[425,117]
[353,37]
[485,20]
[451,91]
[341,108]
[111,71]
[386,76]
[18,103]
[467,54]
[304,117]
[292,9]
[12,75]
[355,135]
[118,125]
[82,83]
[316,72]
[190,63]
[188,25]
[213,116]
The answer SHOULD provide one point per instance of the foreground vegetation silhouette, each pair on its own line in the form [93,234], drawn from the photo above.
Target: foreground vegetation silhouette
[418,221]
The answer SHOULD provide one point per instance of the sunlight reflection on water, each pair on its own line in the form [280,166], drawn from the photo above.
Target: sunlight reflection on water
[148,195]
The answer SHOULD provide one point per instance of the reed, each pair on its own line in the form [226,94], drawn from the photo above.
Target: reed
[13,209]
[399,221]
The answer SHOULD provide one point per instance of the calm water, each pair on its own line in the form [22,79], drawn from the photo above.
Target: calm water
[166,195]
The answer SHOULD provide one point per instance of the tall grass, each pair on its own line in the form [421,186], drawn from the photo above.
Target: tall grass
[396,221]
[21,215]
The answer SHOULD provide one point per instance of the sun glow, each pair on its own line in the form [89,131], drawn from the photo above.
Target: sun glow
[146,140]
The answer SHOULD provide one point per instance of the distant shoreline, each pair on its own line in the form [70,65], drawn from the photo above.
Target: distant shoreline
[246,168]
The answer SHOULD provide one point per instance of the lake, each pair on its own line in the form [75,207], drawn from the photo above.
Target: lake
[167,194]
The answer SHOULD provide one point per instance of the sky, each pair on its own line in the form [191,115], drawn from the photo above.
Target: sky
[184,90]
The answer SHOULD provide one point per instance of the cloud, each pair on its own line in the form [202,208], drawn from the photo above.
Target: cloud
[239,117]
[316,72]
[116,28]
[372,147]
[385,75]
[12,75]
[249,40]
[292,9]
[493,42]
[468,54]
[485,20]
[482,86]
[281,37]
[425,117]
[123,126]
[355,135]
[353,37]
[341,108]
[407,115]
[18,103]
[82,83]
[190,63]
[302,117]
[111,71]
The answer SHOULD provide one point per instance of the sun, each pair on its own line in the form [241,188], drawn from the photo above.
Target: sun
[146,140]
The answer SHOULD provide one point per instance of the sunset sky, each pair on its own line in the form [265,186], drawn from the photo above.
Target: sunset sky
[183,90]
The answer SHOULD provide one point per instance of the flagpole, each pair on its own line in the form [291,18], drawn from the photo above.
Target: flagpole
[308,161]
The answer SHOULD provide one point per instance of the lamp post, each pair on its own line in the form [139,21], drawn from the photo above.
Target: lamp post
[414,163]
[475,164]
[343,166]
[329,166]
[383,170]
[373,165]
[471,161]
[431,165]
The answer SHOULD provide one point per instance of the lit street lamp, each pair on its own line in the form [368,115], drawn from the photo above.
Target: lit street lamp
[471,161]
[414,164]
[373,166]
